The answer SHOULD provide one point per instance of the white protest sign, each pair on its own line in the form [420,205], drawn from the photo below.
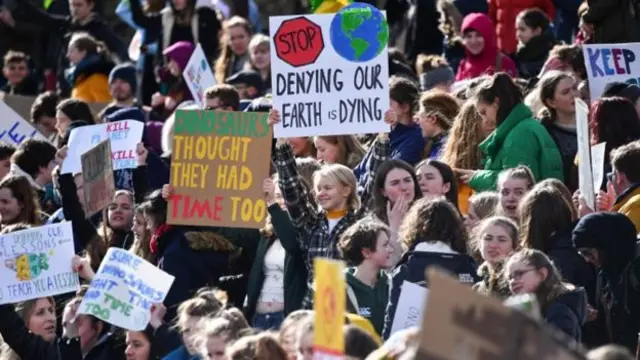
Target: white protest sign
[124,289]
[585,170]
[198,75]
[14,129]
[330,72]
[606,63]
[597,165]
[124,135]
[411,305]
[37,263]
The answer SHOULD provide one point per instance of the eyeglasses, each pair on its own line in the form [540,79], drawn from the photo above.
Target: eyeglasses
[518,274]
[611,177]
[215,107]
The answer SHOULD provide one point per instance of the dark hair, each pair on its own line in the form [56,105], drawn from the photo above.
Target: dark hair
[227,94]
[359,236]
[626,159]
[44,105]
[357,343]
[535,18]
[380,201]
[6,151]
[428,62]
[447,177]
[76,110]
[23,192]
[543,213]
[500,87]
[404,92]
[32,155]
[155,206]
[615,121]
[571,55]
[85,42]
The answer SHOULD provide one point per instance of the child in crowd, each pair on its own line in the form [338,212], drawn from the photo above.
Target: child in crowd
[496,238]
[436,179]
[16,71]
[535,41]
[6,152]
[481,206]
[366,247]
[513,185]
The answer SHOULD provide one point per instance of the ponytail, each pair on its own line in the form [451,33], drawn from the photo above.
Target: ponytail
[500,86]
[85,42]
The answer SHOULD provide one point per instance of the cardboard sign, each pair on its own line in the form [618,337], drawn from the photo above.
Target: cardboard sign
[329,305]
[124,135]
[410,308]
[37,263]
[218,162]
[14,129]
[460,323]
[607,63]
[124,289]
[97,174]
[330,79]
[198,75]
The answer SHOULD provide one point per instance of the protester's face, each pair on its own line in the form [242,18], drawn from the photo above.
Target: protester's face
[139,227]
[471,219]
[216,347]
[400,109]
[5,166]
[327,153]
[431,182]
[305,347]
[215,104]
[473,42]
[331,195]
[382,257]
[299,145]
[488,113]
[77,179]
[151,224]
[179,4]
[10,207]
[288,341]
[15,72]
[42,321]
[398,183]
[564,96]
[120,90]
[495,244]
[428,123]
[524,278]
[46,125]
[523,32]
[88,332]
[80,9]
[174,68]
[138,346]
[243,90]
[62,122]
[511,192]
[591,255]
[120,212]
[238,40]
[189,333]
[74,55]
[260,58]
[45,172]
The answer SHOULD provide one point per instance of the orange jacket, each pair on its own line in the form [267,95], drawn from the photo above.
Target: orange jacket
[93,88]
[504,13]
[629,206]
[464,193]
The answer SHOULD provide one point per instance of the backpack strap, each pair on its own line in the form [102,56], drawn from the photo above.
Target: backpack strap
[351,295]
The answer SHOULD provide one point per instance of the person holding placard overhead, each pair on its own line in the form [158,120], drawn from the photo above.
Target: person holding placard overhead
[335,191]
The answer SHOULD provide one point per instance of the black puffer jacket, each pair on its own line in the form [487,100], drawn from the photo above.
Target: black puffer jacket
[531,57]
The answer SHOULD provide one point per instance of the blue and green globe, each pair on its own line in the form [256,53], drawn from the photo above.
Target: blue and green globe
[359,32]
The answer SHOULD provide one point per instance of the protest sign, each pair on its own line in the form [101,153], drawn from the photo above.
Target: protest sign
[37,263]
[330,72]
[329,305]
[97,174]
[411,304]
[124,135]
[14,129]
[198,75]
[460,323]
[606,63]
[124,289]
[218,163]
[597,165]
[585,170]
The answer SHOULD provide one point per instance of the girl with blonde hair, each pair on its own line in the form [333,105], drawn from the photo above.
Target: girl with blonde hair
[343,149]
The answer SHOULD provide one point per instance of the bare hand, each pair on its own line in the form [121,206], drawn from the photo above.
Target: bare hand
[170,103]
[7,18]
[82,266]
[274,117]
[61,154]
[464,175]
[141,154]
[583,208]
[606,200]
[157,99]
[157,314]
[167,191]
[268,187]
[396,213]
[391,117]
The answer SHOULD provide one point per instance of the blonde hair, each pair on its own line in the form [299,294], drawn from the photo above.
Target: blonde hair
[350,150]
[215,327]
[505,223]
[462,149]
[484,204]
[520,172]
[198,306]
[259,40]
[262,346]
[340,174]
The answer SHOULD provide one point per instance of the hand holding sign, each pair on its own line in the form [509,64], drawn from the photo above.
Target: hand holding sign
[141,154]
[83,268]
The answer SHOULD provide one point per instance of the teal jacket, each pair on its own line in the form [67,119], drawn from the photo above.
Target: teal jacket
[519,140]
[371,301]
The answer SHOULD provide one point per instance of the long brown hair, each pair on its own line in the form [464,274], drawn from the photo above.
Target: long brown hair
[142,247]
[461,151]
[24,310]
[543,212]
[226,55]
[546,89]
[25,195]
[350,150]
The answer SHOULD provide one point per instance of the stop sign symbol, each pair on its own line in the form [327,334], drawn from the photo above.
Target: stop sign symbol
[298,41]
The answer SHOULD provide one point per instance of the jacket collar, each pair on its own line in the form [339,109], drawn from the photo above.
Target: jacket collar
[632,190]
[435,247]
[494,142]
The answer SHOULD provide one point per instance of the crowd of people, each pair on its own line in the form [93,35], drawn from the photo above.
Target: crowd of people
[478,175]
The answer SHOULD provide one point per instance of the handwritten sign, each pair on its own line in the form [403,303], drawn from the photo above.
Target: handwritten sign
[124,289]
[219,160]
[585,171]
[329,80]
[462,324]
[329,305]
[124,136]
[611,62]
[14,129]
[97,175]
[411,304]
[37,263]
[198,75]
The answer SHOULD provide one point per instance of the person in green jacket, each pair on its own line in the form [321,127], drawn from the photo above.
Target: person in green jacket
[366,246]
[517,140]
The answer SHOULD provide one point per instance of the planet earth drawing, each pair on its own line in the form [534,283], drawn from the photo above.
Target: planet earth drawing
[359,32]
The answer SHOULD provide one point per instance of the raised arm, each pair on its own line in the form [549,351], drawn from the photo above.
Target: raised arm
[141,19]
[140,174]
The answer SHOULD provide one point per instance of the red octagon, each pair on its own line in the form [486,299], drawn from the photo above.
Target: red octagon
[298,41]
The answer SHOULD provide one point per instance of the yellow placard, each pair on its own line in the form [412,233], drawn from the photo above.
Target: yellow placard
[329,302]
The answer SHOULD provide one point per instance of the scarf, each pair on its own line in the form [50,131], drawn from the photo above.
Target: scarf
[153,245]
